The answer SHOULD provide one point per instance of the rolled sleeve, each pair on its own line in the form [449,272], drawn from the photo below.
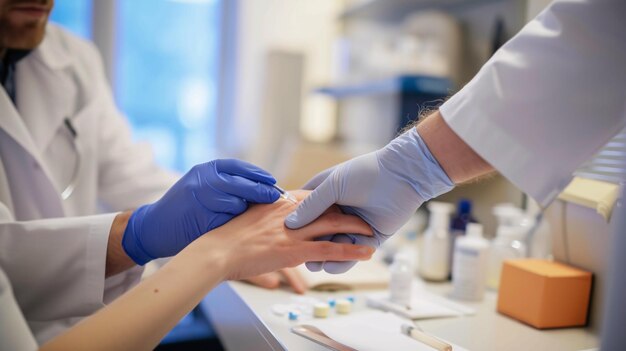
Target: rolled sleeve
[549,98]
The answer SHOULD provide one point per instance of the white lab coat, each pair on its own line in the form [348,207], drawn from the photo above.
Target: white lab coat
[14,331]
[54,251]
[550,97]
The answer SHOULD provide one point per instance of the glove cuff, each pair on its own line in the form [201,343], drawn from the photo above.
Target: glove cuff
[408,158]
[131,242]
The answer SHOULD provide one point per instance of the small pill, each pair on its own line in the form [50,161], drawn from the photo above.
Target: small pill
[351,299]
[331,303]
[320,310]
[293,316]
[344,306]
[279,310]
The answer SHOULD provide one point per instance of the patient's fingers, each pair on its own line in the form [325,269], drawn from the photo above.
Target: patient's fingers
[329,251]
[331,223]
[294,279]
[267,280]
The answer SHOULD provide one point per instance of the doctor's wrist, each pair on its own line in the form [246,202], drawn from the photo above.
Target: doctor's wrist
[117,260]
[456,158]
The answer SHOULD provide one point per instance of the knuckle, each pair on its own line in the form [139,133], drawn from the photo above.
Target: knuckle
[200,167]
[189,187]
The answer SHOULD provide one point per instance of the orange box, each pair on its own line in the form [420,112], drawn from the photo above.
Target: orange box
[544,294]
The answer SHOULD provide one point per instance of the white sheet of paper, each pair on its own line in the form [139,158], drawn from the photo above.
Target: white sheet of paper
[423,305]
[371,330]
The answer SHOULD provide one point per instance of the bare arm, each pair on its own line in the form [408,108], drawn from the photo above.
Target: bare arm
[256,242]
[456,158]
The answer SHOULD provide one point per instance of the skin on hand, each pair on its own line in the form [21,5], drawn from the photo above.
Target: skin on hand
[257,242]
[288,276]
[23,24]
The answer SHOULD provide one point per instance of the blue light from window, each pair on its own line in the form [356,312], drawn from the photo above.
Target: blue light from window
[166,76]
[73,15]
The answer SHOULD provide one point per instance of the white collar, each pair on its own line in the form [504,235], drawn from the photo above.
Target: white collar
[51,52]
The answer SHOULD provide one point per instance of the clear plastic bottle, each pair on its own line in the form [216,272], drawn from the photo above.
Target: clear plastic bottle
[434,261]
[508,244]
[401,280]
[405,239]
[471,255]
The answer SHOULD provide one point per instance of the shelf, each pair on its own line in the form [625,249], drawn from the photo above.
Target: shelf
[401,84]
[385,10]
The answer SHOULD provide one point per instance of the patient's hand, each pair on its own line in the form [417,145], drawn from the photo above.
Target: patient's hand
[288,276]
[257,241]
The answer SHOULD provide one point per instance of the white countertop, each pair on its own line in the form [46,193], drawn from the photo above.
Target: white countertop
[244,320]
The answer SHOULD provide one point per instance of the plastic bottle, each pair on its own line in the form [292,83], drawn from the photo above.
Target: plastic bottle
[508,244]
[508,215]
[401,280]
[459,223]
[434,261]
[471,255]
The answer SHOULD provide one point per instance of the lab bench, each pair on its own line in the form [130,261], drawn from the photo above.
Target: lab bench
[243,318]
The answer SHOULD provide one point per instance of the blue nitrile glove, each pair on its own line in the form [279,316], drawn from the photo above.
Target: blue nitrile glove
[209,195]
[384,188]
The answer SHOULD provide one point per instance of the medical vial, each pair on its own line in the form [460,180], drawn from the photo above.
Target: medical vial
[401,280]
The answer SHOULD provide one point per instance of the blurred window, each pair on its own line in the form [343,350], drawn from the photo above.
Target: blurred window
[74,15]
[166,75]
[166,71]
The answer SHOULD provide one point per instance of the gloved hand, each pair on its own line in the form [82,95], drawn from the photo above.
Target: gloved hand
[384,188]
[209,195]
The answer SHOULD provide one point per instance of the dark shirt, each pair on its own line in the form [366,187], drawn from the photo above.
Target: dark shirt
[7,70]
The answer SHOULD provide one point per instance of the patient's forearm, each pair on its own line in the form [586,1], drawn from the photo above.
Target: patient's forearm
[456,158]
[253,243]
[139,319]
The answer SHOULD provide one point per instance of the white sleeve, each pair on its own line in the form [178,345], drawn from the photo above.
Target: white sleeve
[56,266]
[550,97]
[14,332]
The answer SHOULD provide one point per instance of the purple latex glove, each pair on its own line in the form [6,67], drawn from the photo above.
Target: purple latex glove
[208,196]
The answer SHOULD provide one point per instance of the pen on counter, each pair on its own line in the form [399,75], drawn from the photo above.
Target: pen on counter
[424,338]
[286,195]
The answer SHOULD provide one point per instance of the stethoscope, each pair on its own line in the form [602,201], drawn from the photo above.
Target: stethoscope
[69,189]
